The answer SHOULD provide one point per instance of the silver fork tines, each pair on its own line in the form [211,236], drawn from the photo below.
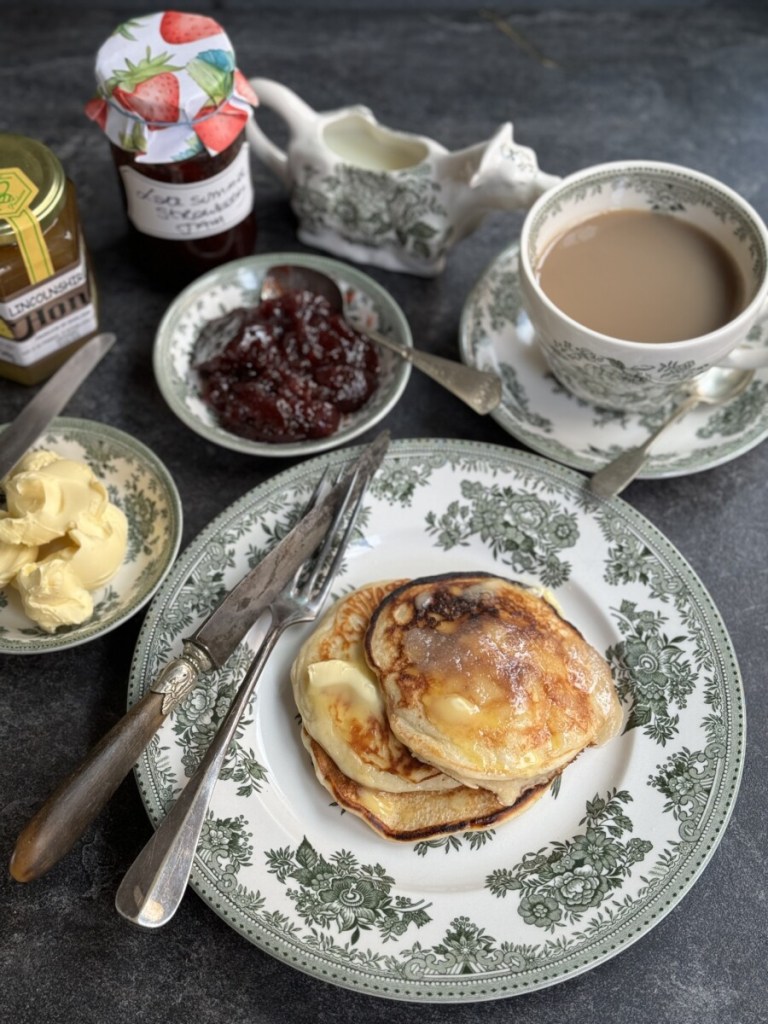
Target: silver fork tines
[154,885]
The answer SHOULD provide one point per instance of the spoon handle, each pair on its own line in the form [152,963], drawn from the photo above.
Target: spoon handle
[614,477]
[480,390]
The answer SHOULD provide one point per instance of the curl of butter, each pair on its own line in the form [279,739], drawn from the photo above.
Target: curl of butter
[46,498]
[52,594]
[60,538]
[97,548]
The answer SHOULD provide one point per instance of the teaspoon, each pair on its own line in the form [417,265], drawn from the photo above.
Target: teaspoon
[480,390]
[717,385]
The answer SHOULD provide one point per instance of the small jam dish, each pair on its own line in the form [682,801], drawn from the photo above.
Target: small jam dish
[238,284]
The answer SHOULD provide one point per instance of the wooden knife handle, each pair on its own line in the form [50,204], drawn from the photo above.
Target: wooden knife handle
[60,822]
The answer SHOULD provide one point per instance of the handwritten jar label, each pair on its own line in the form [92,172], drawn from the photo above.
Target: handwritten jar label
[196,210]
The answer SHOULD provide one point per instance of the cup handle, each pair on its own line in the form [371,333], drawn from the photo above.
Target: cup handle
[745,358]
[295,112]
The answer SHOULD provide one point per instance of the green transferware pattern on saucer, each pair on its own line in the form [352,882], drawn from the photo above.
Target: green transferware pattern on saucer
[139,483]
[536,409]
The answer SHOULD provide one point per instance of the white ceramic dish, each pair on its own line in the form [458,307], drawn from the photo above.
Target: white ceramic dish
[496,335]
[139,483]
[588,870]
[237,284]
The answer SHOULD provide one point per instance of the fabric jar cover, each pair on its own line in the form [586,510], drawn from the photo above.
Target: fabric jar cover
[168,88]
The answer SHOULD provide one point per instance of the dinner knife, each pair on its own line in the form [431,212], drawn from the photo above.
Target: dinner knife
[19,436]
[55,828]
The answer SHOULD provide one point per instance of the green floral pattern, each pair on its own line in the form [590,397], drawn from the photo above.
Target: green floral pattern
[651,671]
[343,893]
[613,383]
[561,886]
[536,409]
[524,531]
[403,213]
[474,915]
[608,380]
[139,484]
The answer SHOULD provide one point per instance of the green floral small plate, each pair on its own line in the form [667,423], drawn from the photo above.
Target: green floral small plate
[239,284]
[584,873]
[138,482]
[535,408]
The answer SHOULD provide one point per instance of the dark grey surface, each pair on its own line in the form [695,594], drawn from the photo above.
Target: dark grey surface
[686,86]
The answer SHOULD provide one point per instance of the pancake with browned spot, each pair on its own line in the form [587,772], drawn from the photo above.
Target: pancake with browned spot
[484,679]
[341,704]
[417,815]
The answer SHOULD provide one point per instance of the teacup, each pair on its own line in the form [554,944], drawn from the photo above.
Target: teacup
[640,375]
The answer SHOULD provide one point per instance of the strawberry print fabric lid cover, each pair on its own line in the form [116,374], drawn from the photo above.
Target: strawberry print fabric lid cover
[168,88]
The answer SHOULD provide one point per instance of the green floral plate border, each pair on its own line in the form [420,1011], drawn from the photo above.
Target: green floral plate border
[588,870]
[495,334]
[138,482]
[238,284]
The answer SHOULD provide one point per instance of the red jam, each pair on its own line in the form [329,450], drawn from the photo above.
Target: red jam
[286,370]
[174,107]
[177,260]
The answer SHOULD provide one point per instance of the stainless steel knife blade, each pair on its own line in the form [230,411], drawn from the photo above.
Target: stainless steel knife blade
[22,433]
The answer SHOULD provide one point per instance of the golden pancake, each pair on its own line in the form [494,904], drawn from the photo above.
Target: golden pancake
[341,704]
[485,680]
[419,815]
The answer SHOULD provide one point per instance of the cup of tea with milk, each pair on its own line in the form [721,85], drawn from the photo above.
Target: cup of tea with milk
[638,276]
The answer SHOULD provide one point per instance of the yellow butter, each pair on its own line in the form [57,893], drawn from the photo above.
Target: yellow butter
[346,682]
[52,594]
[47,501]
[60,538]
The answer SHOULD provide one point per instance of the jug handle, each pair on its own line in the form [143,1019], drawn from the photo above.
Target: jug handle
[297,114]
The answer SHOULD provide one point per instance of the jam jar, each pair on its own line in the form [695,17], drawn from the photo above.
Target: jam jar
[174,108]
[47,293]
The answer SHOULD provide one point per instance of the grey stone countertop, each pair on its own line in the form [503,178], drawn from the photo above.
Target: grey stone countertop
[685,84]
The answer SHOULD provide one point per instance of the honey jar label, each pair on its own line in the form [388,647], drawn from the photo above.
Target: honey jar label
[46,317]
[17,193]
[190,211]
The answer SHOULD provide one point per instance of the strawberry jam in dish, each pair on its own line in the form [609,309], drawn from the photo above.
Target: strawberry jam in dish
[174,107]
[285,370]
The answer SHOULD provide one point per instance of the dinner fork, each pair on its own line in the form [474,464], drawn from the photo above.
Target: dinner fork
[153,887]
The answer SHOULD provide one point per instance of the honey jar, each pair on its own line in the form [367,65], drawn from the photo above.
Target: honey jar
[47,295]
[174,108]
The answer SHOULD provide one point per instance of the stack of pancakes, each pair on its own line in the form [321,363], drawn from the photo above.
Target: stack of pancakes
[447,703]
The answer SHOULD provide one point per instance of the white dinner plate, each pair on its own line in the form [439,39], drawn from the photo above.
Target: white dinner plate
[139,483]
[239,284]
[588,870]
[497,335]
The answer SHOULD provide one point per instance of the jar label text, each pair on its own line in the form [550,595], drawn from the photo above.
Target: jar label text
[186,212]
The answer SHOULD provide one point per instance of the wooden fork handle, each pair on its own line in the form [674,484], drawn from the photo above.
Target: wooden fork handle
[60,822]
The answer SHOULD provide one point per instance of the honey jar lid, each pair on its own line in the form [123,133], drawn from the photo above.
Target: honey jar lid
[32,183]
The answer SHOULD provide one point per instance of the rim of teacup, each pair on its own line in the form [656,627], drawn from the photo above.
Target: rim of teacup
[617,167]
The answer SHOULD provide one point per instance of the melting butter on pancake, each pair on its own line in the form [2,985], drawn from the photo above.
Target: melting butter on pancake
[341,704]
[417,815]
[485,680]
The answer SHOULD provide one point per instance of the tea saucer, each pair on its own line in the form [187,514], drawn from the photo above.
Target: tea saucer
[495,334]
